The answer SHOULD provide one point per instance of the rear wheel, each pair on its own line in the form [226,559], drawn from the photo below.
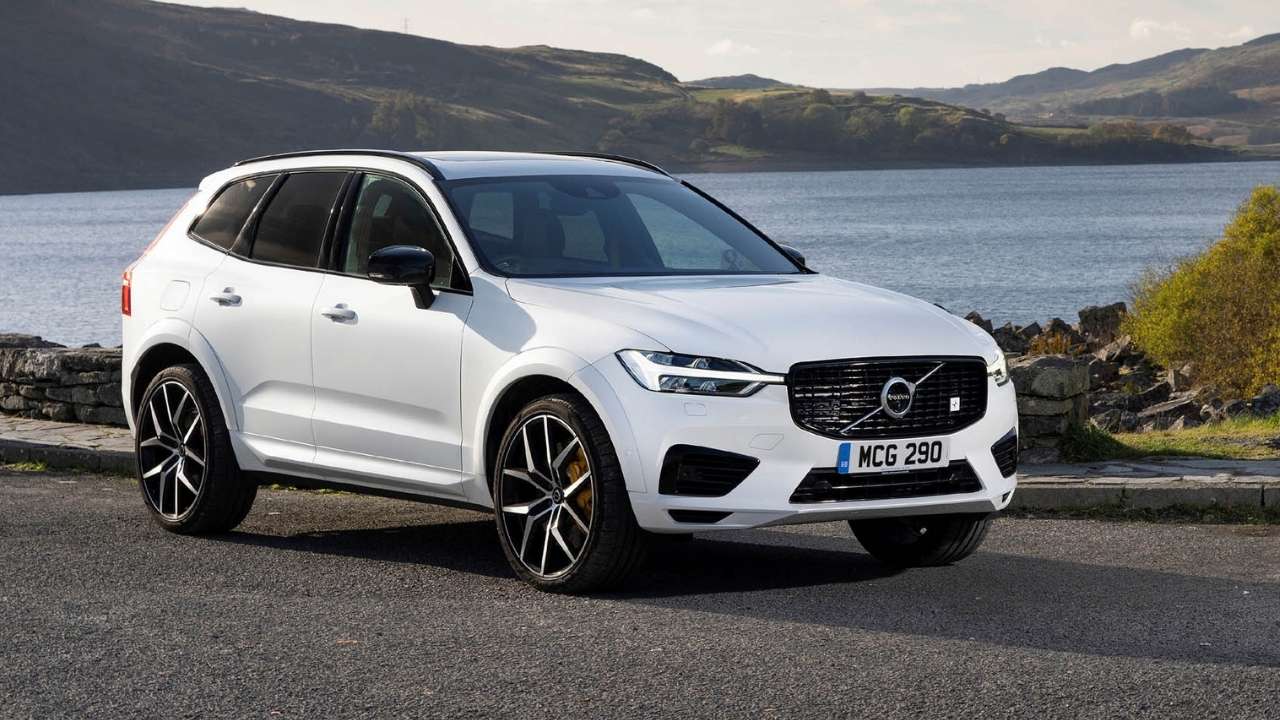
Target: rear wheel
[921,541]
[187,470]
[560,501]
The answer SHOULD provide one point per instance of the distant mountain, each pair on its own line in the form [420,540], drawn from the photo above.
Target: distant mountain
[107,94]
[737,82]
[1238,86]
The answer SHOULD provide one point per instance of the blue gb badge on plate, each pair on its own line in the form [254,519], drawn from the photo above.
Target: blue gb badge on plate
[842,458]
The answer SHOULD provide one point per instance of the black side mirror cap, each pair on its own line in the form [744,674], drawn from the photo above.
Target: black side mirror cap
[795,255]
[408,265]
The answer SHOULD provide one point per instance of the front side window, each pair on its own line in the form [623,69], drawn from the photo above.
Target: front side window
[576,225]
[221,222]
[291,229]
[390,212]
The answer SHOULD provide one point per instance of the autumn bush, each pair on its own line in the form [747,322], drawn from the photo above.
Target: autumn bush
[1220,310]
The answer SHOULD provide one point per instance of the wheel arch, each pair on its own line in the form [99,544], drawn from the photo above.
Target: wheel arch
[549,372]
[174,343]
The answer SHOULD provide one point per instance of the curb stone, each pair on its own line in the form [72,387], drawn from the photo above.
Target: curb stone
[67,458]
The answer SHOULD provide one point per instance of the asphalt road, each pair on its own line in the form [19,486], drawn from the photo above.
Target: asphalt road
[331,605]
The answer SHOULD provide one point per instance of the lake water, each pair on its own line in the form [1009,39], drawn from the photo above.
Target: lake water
[1016,244]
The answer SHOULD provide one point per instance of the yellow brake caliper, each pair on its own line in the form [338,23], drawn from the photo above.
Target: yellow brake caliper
[575,471]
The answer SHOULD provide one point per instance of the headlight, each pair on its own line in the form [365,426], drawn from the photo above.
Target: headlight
[694,375]
[999,369]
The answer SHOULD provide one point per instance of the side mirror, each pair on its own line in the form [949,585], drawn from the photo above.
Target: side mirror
[794,254]
[405,265]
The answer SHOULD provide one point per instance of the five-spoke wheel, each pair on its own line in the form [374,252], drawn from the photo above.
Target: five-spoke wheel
[186,468]
[172,446]
[563,516]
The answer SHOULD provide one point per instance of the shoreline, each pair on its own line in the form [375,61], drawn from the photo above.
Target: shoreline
[791,164]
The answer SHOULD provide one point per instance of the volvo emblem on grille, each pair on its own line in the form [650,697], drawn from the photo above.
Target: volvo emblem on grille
[896,397]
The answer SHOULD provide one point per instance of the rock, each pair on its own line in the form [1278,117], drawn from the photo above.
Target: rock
[1100,324]
[1153,395]
[1028,332]
[61,412]
[91,345]
[1009,340]
[1184,423]
[1050,376]
[1119,350]
[109,394]
[32,392]
[977,319]
[1266,402]
[1163,415]
[18,340]
[1102,372]
[1179,378]
[1235,408]
[1038,427]
[100,415]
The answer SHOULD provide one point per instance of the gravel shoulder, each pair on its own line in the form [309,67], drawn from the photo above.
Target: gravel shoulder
[338,605]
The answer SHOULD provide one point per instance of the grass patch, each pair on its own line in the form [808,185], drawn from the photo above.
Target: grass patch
[27,467]
[1235,439]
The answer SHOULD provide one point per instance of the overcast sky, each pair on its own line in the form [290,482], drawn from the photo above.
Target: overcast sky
[828,43]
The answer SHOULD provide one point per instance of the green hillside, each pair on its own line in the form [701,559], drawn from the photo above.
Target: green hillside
[144,94]
[1229,95]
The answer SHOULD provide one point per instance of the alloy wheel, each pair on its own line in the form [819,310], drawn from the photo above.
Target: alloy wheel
[545,493]
[172,450]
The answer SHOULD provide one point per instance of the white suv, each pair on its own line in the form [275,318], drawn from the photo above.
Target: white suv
[586,346]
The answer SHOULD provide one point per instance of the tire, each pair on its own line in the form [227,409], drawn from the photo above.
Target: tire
[191,451]
[531,493]
[921,541]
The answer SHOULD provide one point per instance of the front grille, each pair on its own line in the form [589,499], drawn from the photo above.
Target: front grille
[828,396]
[1005,451]
[703,472]
[827,485]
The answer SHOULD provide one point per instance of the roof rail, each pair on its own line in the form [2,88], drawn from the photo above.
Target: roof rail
[608,156]
[421,162]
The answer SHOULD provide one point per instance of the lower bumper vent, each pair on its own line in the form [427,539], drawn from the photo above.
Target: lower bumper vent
[703,472]
[702,517]
[1005,451]
[827,485]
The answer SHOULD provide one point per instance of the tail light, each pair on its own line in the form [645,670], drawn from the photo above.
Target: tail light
[126,292]
[126,278]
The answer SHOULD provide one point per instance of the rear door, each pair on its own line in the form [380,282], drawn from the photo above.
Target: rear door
[387,372]
[256,313]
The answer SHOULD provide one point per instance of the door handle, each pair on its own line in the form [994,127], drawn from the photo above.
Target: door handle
[339,313]
[226,298]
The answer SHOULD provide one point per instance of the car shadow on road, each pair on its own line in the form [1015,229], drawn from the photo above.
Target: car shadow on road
[992,597]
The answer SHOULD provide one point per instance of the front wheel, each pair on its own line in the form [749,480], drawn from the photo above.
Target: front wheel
[560,501]
[921,541]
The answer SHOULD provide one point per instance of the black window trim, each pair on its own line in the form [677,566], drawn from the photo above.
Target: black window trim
[325,261]
[343,224]
[445,186]
[191,229]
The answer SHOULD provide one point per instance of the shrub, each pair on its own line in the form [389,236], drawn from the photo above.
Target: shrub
[1052,343]
[1220,310]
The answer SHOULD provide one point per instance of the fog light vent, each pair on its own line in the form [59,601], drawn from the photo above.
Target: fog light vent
[1005,451]
[703,472]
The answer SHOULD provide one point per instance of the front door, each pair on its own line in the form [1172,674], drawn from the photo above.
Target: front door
[386,372]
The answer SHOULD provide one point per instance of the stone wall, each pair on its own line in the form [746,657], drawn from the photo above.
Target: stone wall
[1053,395]
[45,380]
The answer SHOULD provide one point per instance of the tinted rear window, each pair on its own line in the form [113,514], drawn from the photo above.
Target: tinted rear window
[292,226]
[221,222]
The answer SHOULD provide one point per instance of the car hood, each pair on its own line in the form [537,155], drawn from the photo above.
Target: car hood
[769,321]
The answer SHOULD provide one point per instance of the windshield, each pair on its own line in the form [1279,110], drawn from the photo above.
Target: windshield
[565,225]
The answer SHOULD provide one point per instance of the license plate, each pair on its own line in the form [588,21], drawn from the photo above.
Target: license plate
[890,455]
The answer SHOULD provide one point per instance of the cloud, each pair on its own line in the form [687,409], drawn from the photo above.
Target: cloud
[1144,29]
[644,13]
[1244,32]
[729,48]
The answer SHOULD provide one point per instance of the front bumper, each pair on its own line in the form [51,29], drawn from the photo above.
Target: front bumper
[761,427]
